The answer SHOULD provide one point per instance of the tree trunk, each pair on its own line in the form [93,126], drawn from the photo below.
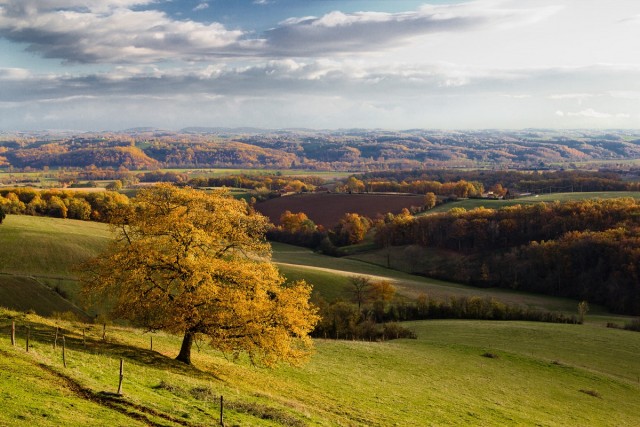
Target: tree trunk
[185,349]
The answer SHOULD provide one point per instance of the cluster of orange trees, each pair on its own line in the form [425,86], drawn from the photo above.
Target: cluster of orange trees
[94,206]
[298,229]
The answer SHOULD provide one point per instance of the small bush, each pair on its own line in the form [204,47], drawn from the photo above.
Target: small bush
[169,387]
[591,393]
[395,330]
[633,326]
[202,393]
[490,355]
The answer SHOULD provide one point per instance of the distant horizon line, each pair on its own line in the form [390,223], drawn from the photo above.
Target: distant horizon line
[246,129]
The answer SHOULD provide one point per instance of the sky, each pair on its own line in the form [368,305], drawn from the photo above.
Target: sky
[99,65]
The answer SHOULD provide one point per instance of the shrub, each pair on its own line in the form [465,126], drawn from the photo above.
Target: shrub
[633,326]
[591,393]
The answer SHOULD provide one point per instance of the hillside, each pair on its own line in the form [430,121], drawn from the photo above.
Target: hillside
[545,374]
[455,372]
[346,150]
[45,250]
[38,254]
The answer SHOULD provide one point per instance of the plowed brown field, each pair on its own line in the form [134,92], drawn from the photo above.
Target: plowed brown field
[327,208]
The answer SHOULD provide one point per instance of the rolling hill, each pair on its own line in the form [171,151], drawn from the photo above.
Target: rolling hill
[456,372]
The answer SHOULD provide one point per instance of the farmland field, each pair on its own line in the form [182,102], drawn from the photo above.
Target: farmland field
[327,208]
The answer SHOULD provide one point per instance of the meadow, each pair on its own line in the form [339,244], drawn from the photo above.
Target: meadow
[454,373]
[44,251]
[457,372]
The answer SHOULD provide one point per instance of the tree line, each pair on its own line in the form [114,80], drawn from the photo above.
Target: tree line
[371,311]
[581,249]
[422,181]
[298,229]
[87,206]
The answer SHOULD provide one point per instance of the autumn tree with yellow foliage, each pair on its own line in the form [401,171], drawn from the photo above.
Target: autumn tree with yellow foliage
[197,264]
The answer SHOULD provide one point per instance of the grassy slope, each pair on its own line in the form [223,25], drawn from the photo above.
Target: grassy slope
[329,275]
[439,379]
[25,293]
[36,252]
[48,247]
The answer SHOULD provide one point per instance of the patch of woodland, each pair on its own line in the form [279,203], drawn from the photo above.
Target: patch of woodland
[88,206]
[588,250]
[453,181]
[373,312]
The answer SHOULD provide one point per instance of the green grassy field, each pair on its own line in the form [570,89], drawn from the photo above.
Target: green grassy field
[47,249]
[39,253]
[26,293]
[469,204]
[331,277]
[40,246]
[541,374]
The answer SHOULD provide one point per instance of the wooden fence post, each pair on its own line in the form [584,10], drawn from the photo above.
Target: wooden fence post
[13,333]
[84,341]
[28,336]
[64,356]
[151,342]
[55,340]
[221,411]
[121,376]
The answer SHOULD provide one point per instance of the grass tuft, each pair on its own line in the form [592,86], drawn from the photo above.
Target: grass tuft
[171,388]
[203,393]
[266,413]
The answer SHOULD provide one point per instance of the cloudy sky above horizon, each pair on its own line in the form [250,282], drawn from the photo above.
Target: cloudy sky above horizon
[116,64]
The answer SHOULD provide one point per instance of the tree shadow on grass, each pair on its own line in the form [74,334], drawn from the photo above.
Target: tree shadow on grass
[46,335]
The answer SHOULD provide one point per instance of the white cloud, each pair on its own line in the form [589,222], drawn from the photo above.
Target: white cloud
[201,6]
[14,74]
[578,96]
[338,32]
[593,114]
[97,31]
[109,32]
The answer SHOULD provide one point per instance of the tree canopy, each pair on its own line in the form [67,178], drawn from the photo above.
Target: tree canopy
[195,263]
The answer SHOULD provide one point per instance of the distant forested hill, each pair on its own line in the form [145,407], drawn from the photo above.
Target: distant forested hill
[360,150]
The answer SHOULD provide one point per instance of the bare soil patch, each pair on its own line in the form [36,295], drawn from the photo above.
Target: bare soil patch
[327,208]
